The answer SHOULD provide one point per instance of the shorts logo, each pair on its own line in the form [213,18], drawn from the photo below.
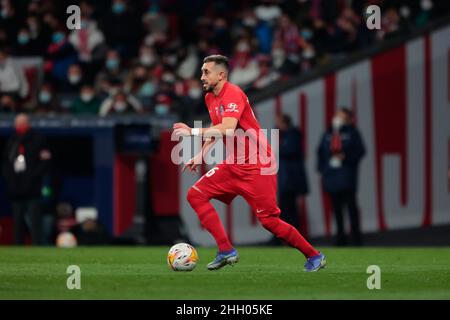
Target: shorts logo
[232,107]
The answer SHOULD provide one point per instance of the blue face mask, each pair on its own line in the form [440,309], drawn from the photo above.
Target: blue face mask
[58,37]
[147,90]
[118,8]
[307,34]
[161,109]
[45,97]
[23,39]
[112,64]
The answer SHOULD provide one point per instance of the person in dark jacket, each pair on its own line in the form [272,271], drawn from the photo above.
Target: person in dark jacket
[339,154]
[25,162]
[292,179]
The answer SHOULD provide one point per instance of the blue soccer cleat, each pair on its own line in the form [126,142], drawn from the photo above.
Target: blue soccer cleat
[223,258]
[315,263]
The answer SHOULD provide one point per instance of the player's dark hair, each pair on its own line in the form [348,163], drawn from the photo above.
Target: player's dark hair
[217,59]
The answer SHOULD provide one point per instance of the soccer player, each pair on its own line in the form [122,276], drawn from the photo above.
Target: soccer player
[242,173]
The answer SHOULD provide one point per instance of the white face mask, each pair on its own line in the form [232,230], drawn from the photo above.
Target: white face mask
[195,93]
[308,53]
[337,123]
[426,4]
[120,106]
[147,59]
[87,97]
[74,79]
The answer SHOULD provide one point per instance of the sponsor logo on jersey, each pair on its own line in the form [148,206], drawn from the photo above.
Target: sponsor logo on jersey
[232,107]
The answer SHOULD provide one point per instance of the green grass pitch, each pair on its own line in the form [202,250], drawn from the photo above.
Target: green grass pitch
[262,273]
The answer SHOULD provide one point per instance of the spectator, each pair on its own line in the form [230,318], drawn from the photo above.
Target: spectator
[89,42]
[122,29]
[88,231]
[26,46]
[87,102]
[288,35]
[292,179]
[120,103]
[74,80]
[60,56]
[112,69]
[9,21]
[13,85]
[245,68]
[48,102]
[140,84]
[266,74]
[339,154]
[268,11]
[163,105]
[26,159]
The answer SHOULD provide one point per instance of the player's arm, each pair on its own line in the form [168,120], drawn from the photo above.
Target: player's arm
[226,127]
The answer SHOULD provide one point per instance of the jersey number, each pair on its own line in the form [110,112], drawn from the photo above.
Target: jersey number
[211,172]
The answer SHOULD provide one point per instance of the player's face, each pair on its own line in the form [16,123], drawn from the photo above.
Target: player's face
[211,75]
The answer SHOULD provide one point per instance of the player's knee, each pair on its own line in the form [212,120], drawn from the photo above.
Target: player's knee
[269,222]
[195,197]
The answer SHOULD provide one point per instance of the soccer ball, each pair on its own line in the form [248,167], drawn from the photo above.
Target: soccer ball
[182,257]
[66,240]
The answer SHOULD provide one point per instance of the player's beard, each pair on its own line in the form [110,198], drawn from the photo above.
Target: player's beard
[209,88]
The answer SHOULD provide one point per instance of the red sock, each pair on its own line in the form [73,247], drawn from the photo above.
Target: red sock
[209,218]
[289,234]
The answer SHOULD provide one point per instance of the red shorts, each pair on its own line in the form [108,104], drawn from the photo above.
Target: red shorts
[226,181]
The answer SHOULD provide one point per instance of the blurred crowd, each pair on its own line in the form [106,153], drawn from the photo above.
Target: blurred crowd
[144,56]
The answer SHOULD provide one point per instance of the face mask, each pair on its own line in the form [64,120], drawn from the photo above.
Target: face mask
[147,90]
[195,93]
[307,34]
[87,97]
[405,12]
[249,22]
[23,39]
[74,79]
[161,109]
[45,97]
[147,59]
[426,5]
[118,8]
[337,123]
[112,64]
[172,60]
[120,106]
[308,53]
[113,91]
[58,37]
[22,129]
[84,24]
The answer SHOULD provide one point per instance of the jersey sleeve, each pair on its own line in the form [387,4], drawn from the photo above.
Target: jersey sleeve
[233,105]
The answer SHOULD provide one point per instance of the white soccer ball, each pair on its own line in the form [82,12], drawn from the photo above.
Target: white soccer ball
[66,240]
[182,257]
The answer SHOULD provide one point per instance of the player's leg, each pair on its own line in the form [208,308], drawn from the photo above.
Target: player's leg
[214,184]
[261,195]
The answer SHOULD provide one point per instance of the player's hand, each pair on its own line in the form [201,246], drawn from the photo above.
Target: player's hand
[193,164]
[181,129]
